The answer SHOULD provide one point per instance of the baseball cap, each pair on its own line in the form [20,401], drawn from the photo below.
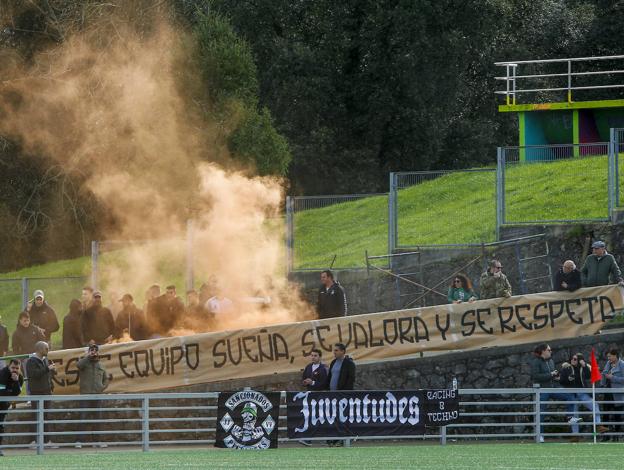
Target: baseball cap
[38,293]
[598,244]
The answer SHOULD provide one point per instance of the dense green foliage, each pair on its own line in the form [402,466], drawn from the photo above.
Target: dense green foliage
[433,457]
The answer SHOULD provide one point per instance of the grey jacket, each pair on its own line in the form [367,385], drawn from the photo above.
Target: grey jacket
[93,376]
[617,371]
[596,271]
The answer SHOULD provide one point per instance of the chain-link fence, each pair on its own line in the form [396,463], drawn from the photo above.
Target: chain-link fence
[442,207]
[334,231]
[553,183]
[58,293]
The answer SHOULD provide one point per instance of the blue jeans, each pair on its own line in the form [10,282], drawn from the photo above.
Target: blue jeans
[557,396]
[588,404]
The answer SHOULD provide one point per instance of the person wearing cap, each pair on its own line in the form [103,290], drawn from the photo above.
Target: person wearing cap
[130,320]
[600,268]
[93,381]
[96,322]
[43,316]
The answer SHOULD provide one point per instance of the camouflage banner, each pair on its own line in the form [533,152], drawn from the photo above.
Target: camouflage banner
[185,360]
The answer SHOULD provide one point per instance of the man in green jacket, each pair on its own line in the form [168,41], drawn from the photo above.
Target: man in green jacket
[494,283]
[93,380]
[599,267]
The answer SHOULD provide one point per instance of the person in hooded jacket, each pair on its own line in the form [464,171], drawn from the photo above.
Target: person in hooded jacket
[96,322]
[43,316]
[26,335]
[72,335]
[577,374]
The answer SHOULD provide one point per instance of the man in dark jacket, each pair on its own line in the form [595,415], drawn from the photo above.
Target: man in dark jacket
[167,312]
[43,316]
[72,334]
[11,382]
[315,373]
[543,372]
[600,268]
[130,320]
[26,335]
[332,301]
[568,277]
[341,376]
[96,322]
[40,372]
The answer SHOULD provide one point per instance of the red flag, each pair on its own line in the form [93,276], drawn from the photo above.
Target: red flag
[595,370]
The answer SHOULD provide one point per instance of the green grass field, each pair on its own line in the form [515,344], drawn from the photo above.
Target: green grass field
[454,208]
[433,457]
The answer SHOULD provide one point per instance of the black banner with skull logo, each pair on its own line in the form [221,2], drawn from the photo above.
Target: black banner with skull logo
[247,420]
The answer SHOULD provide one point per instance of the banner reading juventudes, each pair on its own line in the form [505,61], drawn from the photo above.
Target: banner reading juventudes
[184,360]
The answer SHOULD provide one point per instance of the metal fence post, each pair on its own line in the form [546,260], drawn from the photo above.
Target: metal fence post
[25,290]
[40,424]
[538,414]
[613,173]
[500,191]
[392,214]
[443,435]
[95,248]
[145,425]
[190,277]
[290,235]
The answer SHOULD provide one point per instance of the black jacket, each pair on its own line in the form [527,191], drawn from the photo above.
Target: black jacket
[575,376]
[9,387]
[97,324]
[45,318]
[131,319]
[39,376]
[72,335]
[572,279]
[4,340]
[319,376]
[24,339]
[346,379]
[541,372]
[164,314]
[332,301]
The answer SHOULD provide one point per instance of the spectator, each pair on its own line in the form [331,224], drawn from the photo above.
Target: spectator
[130,320]
[613,377]
[152,298]
[96,322]
[72,335]
[208,289]
[197,316]
[315,373]
[4,342]
[114,304]
[43,316]
[568,277]
[86,297]
[494,283]
[543,372]
[167,312]
[341,376]
[219,305]
[26,335]
[93,381]
[11,382]
[460,290]
[40,372]
[577,374]
[599,267]
[332,301]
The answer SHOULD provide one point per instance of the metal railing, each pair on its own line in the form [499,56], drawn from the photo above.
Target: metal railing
[146,420]
[306,214]
[616,150]
[413,193]
[540,82]
[551,202]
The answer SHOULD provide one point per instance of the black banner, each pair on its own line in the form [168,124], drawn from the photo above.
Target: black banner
[369,413]
[247,420]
